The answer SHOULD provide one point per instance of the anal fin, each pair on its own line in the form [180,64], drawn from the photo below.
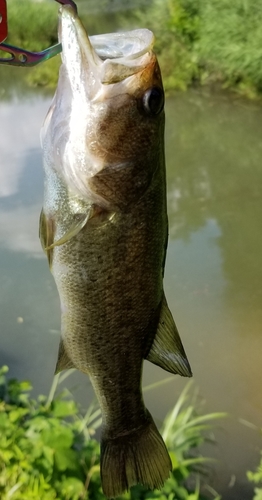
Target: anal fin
[63,361]
[167,350]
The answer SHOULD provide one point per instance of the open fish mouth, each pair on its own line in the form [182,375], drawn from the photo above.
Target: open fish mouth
[112,57]
[126,46]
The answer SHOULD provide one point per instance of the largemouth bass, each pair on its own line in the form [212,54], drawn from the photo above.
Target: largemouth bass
[104,229]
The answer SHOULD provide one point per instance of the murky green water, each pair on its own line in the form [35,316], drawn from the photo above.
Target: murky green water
[213,273]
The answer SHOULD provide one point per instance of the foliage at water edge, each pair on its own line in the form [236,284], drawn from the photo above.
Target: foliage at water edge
[197,41]
[256,478]
[205,42]
[48,449]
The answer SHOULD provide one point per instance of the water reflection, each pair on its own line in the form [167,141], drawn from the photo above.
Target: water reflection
[213,274]
[20,174]
[217,175]
[214,270]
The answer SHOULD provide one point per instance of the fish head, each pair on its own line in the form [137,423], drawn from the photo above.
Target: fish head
[106,122]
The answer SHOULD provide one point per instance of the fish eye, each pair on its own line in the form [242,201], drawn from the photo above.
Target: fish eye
[153,101]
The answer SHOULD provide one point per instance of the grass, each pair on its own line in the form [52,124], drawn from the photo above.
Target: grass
[48,449]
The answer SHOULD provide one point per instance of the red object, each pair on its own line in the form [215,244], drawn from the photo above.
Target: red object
[3,21]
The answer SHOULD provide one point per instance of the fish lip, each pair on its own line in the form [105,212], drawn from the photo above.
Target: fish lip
[70,24]
[113,56]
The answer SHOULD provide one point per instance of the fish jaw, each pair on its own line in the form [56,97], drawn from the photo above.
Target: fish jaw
[97,122]
[110,58]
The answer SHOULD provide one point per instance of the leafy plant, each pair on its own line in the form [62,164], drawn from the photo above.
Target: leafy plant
[256,478]
[47,450]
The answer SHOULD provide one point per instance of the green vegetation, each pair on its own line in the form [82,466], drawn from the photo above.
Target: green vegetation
[175,24]
[198,41]
[210,42]
[48,450]
[256,478]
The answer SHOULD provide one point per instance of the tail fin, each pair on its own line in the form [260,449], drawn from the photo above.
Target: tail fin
[138,457]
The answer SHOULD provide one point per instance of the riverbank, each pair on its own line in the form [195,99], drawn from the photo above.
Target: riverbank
[198,42]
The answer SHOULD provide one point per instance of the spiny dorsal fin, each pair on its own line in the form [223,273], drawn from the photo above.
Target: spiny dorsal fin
[167,350]
[63,361]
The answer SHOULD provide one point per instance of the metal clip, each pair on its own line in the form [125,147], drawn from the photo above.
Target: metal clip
[21,57]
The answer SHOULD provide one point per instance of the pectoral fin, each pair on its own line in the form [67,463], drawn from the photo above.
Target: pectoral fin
[167,350]
[46,235]
[63,361]
[78,224]
[47,231]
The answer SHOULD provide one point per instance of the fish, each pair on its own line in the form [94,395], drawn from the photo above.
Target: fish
[104,230]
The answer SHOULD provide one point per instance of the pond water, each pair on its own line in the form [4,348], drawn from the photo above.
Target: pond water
[213,272]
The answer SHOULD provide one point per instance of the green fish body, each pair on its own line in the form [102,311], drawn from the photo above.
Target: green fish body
[104,229]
